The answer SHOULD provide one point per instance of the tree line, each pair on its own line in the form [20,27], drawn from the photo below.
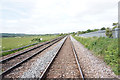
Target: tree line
[108,31]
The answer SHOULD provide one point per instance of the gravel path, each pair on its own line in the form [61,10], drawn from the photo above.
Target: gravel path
[40,64]
[92,66]
[64,65]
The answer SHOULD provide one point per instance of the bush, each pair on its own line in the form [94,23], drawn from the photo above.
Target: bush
[109,33]
[36,39]
[103,28]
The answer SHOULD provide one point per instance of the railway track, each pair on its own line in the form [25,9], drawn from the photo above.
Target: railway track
[65,63]
[12,62]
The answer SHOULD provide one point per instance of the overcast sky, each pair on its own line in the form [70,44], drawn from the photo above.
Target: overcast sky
[56,16]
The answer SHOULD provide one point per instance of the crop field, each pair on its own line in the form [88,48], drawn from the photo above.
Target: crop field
[106,48]
[16,42]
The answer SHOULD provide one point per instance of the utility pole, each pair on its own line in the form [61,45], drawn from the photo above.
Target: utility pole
[119,19]
[119,30]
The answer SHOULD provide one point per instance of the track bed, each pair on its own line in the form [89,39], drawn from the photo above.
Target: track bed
[14,61]
[64,65]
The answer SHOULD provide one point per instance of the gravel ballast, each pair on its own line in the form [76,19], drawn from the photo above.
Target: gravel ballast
[17,72]
[92,66]
[64,65]
[38,67]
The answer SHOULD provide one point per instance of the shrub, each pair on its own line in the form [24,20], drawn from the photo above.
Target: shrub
[109,33]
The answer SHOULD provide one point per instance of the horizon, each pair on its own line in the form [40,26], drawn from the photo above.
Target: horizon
[45,33]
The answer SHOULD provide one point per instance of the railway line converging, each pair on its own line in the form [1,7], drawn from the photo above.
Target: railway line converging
[63,64]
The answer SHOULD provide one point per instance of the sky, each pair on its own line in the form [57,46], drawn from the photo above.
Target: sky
[56,16]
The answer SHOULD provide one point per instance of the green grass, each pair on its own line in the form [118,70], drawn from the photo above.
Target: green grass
[9,43]
[107,48]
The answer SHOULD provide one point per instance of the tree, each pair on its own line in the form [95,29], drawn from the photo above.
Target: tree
[109,33]
[73,33]
[89,31]
[115,26]
[95,30]
[61,34]
[103,28]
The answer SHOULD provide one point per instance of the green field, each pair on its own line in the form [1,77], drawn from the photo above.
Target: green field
[16,42]
[107,48]
[9,43]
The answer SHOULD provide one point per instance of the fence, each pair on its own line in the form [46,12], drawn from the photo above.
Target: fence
[101,33]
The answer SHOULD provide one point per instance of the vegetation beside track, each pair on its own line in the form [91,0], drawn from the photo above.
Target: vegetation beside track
[9,43]
[107,48]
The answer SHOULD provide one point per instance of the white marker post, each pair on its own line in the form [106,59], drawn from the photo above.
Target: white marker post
[41,39]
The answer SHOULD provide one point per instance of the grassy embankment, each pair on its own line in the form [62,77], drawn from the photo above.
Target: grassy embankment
[9,43]
[107,48]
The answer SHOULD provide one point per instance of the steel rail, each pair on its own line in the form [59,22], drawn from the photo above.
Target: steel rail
[11,57]
[25,60]
[77,60]
[47,68]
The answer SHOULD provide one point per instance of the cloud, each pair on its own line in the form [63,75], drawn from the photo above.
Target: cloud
[11,21]
[53,16]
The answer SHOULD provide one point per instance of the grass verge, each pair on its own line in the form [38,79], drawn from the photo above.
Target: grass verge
[107,48]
